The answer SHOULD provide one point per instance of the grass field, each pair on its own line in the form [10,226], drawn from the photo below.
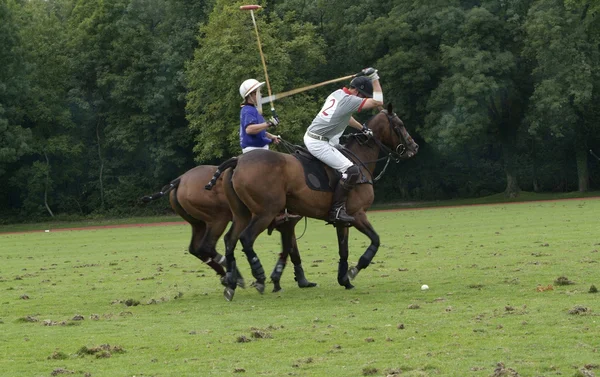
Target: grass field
[133,302]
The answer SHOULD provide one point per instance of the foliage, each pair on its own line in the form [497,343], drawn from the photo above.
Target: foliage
[228,54]
[102,101]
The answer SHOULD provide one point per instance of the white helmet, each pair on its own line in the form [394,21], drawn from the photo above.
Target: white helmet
[249,86]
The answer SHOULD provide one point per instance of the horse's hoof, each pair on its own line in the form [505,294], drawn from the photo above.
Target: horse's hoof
[277,289]
[228,293]
[260,287]
[352,272]
[276,286]
[306,284]
[241,283]
[349,286]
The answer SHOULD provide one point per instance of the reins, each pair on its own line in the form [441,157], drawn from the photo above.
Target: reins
[389,151]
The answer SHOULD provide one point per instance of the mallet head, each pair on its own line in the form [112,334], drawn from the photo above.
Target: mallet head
[250,7]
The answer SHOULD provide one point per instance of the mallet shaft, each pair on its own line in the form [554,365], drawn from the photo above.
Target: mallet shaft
[262,58]
[281,95]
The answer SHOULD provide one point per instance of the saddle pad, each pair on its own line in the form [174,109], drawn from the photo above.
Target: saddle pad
[317,178]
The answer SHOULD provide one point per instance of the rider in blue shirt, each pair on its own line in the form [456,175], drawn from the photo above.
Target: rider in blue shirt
[253,127]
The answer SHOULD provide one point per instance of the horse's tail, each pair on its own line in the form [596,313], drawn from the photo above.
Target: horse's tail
[165,190]
[231,163]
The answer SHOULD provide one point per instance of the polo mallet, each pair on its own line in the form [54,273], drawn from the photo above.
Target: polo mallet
[594,154]
[277,96]
[251,8]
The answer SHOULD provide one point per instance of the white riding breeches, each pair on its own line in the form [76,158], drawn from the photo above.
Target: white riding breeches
[248,149]
[327,153]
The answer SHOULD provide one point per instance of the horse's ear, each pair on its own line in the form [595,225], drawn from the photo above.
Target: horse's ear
[389,108]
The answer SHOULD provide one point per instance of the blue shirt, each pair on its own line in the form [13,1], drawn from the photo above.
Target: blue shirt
[250,115]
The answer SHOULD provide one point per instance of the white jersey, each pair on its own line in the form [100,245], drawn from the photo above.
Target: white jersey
[334,116]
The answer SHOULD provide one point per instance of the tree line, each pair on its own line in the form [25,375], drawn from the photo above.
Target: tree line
[102,101]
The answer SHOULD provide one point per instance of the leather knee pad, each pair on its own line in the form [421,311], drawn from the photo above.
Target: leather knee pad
[353,174]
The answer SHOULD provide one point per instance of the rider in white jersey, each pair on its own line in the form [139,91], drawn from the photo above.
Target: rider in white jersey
[329,124]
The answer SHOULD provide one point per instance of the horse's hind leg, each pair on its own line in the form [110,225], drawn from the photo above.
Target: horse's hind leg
[342,235]
[364,226]
[199,248]
[209,254]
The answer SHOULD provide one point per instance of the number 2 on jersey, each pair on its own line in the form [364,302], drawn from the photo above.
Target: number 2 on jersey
[328,109]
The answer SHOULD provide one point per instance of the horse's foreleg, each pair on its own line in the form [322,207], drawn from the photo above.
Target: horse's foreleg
[298,270]
[231,275]
[342,235]
[282,259]
[364,226]
[290,247]
[278,269]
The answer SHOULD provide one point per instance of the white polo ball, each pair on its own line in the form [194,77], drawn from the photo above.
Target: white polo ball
[424,287]
[47,230]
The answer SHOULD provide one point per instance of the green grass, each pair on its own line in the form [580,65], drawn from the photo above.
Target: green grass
[491,199]
[524,196]
[25,227]
[482,264]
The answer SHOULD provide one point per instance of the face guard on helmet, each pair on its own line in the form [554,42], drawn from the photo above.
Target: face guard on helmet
[248,87]
[363,85]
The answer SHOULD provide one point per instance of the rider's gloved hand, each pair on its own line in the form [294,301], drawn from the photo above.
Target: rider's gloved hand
[273,121]
[370,73]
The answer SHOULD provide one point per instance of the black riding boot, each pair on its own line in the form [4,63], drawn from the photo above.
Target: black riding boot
[338,213]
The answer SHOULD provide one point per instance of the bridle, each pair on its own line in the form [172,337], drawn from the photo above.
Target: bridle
[395,153]
[402,134]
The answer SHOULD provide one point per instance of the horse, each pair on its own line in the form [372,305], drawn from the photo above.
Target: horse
[261,183]
[208,214]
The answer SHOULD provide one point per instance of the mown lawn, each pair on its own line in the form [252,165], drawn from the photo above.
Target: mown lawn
[133,302]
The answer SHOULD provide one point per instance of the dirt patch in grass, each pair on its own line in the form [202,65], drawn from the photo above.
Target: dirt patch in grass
[243,339]
[541,288]
[563,280]
[102,351]
[259,334]
[58,355]
[59,371]
[503,371]
[578,309]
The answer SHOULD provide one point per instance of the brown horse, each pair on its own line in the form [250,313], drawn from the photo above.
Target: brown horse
[261,183]
[208,214]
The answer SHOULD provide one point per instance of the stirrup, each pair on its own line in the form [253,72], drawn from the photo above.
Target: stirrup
[337,217]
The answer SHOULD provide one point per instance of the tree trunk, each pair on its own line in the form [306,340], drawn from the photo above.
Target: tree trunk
[583,175]
[512,185]
[46,185]
[534,170]
[101,165]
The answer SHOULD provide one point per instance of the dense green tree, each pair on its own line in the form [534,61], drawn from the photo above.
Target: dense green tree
[55,144]
[228,54]
[129,58]
[483,90]
[103,100]
[14,139]
[566,77]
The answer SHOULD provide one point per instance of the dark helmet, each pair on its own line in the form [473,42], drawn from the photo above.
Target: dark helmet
[363,85]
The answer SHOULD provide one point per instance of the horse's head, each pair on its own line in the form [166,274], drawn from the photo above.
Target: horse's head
[389,129]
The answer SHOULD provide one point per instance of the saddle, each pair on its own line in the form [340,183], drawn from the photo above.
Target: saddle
[319,176]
